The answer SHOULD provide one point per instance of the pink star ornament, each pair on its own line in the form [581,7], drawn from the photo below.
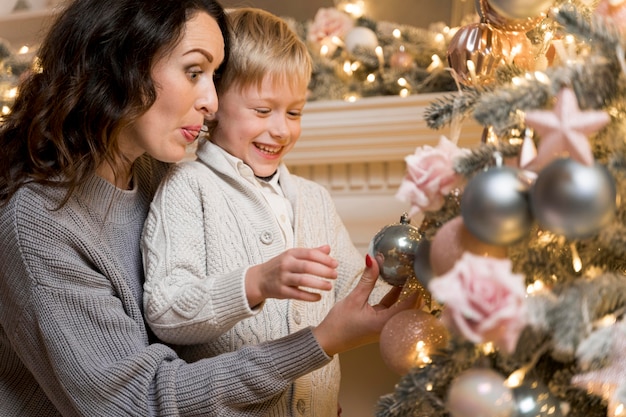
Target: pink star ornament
[564,131]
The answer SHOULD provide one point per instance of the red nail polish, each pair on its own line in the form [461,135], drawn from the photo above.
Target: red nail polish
[368,260]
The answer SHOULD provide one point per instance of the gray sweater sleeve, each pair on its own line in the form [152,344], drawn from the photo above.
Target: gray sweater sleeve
[71,325]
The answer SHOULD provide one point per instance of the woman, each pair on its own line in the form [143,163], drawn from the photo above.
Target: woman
[123,86]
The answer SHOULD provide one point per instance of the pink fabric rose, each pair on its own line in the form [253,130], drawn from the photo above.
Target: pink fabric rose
[430,176]
[329,22]
[483,300]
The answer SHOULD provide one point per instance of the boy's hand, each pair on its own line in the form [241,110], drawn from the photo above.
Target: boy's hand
[290,274]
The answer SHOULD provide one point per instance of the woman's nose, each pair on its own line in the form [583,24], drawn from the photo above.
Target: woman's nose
[207,101]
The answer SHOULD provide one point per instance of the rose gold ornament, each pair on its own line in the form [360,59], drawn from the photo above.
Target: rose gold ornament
[410,338]
[475,51]
[506,23]
[401,59]
[452,240]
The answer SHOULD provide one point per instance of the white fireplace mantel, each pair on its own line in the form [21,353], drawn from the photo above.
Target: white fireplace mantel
[357,150]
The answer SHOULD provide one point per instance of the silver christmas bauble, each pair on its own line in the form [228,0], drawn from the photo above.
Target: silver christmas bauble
[533,399]
[394,247]
[421,266]
[495,206]
[572,199]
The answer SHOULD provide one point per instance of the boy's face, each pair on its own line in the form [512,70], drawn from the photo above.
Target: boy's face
[259,126]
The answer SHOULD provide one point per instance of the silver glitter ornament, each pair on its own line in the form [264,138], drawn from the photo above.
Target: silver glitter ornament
[495,207]
[572,199]
[533,399]
[394,247]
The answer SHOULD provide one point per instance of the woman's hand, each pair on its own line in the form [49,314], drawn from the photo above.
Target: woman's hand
[352,322]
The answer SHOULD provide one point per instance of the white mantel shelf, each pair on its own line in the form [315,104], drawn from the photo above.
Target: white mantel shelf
[371,129]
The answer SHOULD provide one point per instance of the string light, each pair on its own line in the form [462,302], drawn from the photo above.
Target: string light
[435,64]
[355,8]
[577,263]
[536,287]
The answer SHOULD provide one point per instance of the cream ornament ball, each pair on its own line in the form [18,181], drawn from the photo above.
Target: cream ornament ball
[520,9]
[480,392]
[361,36]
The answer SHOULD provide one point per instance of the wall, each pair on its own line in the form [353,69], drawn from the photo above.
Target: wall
[410,12]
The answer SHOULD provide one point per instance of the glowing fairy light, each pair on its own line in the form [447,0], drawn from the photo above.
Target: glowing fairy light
[5,109]
[421,353]
[324,50]
[471,68]
[396,33]
[535,287]
[435,64]
[355,8]
[23,50]
[347,67]
[380,56]
[577,263]
[516,378]
[371,78]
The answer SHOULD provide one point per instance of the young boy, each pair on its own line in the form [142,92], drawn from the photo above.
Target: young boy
[236,249]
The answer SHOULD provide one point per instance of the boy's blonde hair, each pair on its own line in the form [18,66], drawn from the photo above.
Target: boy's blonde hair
[263,44]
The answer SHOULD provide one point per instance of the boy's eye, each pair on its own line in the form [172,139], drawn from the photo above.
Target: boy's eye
[263,111]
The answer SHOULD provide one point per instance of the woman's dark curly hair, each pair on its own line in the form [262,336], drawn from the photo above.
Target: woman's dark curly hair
[92,78]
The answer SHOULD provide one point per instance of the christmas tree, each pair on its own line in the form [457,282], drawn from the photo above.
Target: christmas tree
[522,237]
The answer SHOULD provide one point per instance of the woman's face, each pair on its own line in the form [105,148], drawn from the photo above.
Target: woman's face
[185,95]
[260,125]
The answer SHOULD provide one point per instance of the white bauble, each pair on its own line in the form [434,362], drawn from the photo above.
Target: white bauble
[480,392]
[361,36]
[520,9]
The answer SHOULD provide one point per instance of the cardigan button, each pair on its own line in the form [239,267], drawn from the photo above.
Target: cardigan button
[301,406]
[297,317]
[267,238]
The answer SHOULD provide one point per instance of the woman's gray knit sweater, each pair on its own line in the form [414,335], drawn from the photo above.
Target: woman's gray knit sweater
[72,336]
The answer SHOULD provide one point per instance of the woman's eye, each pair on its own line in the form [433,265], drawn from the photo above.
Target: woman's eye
[194,74]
